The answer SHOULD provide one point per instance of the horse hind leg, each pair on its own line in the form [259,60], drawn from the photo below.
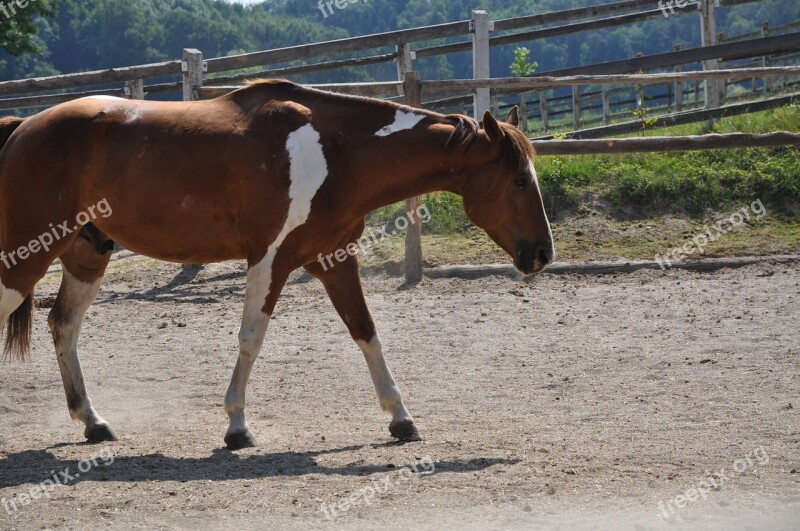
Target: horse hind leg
[83,270]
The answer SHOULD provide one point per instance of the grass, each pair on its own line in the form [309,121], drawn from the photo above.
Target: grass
[635,206]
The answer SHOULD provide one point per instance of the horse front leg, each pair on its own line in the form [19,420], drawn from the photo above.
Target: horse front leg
[343,284]
[264,285]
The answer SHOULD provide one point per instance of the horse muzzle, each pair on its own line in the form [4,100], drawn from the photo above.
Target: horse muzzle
[534,257]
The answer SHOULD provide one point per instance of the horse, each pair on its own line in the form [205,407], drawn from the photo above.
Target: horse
[273,173]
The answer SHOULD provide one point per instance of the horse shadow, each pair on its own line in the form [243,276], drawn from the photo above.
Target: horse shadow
[36,466]
[185,287]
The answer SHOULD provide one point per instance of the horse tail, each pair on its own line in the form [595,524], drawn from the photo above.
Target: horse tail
[20,322]
[18,331]
[8,125]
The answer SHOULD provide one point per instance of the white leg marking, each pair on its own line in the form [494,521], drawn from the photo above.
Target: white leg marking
[251,338]
[388,393]
[403,120]
[308,170]
[78,296]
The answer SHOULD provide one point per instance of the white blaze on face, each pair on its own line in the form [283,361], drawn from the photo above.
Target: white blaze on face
[533,174]
[403,120]
[307,171]
[535,180]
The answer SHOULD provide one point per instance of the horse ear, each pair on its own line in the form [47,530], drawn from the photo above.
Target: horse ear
[491,127]
[513,116]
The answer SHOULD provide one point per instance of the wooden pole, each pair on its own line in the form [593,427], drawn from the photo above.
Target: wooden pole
[413,264]
[523,113]
[576,106]
[192,67]
[708,23]
[405,58]
[678,84]
[765,59]
[135,89]
[480,59]
[543,106]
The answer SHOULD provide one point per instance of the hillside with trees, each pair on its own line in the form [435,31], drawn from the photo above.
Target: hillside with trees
[50,37]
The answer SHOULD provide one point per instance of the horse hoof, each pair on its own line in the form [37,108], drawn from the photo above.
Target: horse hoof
[100,433]
[237,441]
[405,431]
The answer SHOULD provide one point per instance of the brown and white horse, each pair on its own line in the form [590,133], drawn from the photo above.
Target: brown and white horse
[273,173]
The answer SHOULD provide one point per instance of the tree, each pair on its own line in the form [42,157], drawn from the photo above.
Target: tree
[522,65]
[18,28]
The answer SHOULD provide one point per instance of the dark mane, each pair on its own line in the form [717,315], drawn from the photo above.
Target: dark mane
[465,132]
[256,83]
[517,149]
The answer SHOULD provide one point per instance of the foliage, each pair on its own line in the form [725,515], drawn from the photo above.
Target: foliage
[522,66]
[690,182]
[18,30]
[95,34]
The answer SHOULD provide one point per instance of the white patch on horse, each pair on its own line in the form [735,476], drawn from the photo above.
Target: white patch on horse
[307,171]
[187,202]
[403,120]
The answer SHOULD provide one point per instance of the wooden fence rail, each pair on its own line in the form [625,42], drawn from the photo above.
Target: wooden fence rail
[83,79]
[528,83]
[659,144]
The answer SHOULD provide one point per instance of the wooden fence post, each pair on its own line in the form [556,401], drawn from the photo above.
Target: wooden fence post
[576,106]
[708,23]
[135,89]
[765,59]
[193,68]
[678,84]
[405,58]
[481,26]
[413,266]
[523,113]
[606,104]
[543,107]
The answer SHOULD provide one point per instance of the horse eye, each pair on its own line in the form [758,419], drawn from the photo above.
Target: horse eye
[521,183]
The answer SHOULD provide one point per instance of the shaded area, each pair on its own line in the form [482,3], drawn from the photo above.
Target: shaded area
[35,466]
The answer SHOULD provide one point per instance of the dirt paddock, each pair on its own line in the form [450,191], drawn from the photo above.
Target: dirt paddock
[641,401]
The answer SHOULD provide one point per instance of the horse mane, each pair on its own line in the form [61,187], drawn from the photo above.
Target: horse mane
[517,150]
[466,131]
[270,81]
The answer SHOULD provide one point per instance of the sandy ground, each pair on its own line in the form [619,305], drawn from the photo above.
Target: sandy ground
[563,403]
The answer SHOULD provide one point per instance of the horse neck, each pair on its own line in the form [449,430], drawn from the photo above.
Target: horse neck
[412,166]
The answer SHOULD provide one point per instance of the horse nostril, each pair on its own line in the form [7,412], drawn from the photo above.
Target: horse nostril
[544,254]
